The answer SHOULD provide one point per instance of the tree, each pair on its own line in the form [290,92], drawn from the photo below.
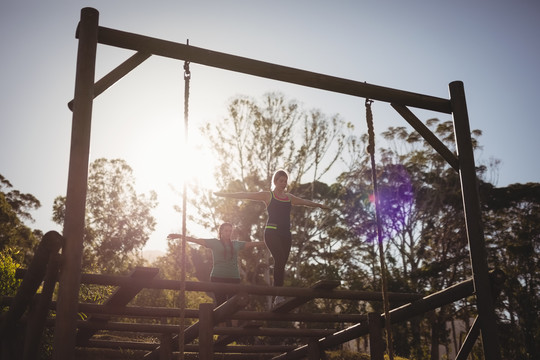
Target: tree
[118,221]
[421,217]
[15,208]
[512,228]
[254,140]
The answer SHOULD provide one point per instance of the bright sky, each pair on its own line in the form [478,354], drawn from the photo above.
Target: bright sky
[417,46]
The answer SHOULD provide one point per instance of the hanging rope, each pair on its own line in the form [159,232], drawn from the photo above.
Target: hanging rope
[181,337]
[371,151]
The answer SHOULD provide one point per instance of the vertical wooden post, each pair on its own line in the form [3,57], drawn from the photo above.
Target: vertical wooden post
[165,347]
[40,310]
[68,293]
[206,331]
[473,222]
[376,346]
[314,350]
[165,344]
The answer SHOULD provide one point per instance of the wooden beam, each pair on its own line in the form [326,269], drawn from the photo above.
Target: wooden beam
[121,297]
[247,330]
[291,304]
[251,329]
[115,353]
[424,131]
[471,338]
[267,70]
[70,275]
[473,223]
[157,312]
[239,349]
[287,291]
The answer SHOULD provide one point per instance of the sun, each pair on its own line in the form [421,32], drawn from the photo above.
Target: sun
[164,165]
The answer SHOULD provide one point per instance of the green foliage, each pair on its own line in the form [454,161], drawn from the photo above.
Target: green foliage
[15,207]
[8,266]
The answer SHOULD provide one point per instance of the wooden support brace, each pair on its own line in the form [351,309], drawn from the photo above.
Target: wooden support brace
[376,346]
[471,338]
[428,135]
[120,298]
[119,72]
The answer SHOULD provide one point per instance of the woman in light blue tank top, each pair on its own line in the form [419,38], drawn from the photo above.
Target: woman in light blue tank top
[224,257]
[277,234]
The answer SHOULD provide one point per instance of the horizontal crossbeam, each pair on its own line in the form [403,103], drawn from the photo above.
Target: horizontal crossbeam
[150,45]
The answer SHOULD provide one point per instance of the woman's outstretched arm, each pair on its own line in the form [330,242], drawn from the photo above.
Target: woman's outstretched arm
[188,238]
[256,196]
[295,200]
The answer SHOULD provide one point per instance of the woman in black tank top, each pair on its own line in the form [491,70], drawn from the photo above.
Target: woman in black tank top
[277,234]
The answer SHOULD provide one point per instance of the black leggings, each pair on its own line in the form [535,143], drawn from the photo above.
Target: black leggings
[222,296]
[279,243]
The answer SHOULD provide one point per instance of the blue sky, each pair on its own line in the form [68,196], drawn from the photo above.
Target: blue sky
[418,46]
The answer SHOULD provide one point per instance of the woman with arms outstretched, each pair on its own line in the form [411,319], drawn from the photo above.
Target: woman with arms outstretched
[277,234]
[224,257]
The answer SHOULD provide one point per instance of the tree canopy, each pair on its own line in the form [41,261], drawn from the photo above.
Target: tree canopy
[15,208]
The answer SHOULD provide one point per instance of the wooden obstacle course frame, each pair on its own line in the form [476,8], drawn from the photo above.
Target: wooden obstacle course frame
[90,34]
[318,340]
